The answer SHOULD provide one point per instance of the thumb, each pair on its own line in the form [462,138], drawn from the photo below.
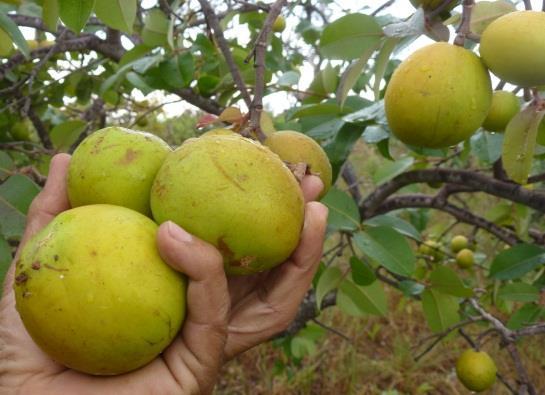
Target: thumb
[202,341]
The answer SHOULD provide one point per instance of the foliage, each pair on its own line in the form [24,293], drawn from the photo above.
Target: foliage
[91,63]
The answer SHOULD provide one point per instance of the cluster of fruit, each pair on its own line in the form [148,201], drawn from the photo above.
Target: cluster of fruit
[459,245]
[441,94]
[91,287]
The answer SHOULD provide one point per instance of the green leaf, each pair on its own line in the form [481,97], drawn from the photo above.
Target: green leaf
[289,78]
[187,67]
[382,61]
[155,29]
[526,315]
[343,211]
[302,346]
[6,44]
[50,14]
[440,310]
[170,73]
[15,34]
[519,292]
[138,82]
[6,165]
[485,12]
[362,274]
[402,226]
[414,26]
[410,288]
[329,280]
[349,37]
[517,261]
[117,14]
[65,134]
[392,169]
[5,259]
[445,280]
[351,75]
[389,248]
[370,299]
[75,13]
[520,142]
[16,194]
[341,145]
[486,146]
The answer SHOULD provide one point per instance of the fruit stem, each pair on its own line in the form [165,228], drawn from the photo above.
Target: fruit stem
[464,29]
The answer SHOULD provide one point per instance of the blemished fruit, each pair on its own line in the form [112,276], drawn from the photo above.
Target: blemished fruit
[505,105]
[458,243]
[94,293]
[465,258]
[237,195]
[428,105]
[513,48]
[295,147]
[431,4]
[279,24]
[220,131]
[476,370]
[116,166]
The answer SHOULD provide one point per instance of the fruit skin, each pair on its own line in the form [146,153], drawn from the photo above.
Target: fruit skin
[458,243]
[220,131]
[295,147]
[237,195]
[465,258]
[279,24]
[505,105]
[426,102]
[94,293]
[476,370]
[432,249]
[431,4]
[513,48]
[116,166]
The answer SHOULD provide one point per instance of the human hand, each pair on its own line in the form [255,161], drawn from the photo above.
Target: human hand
[191,363]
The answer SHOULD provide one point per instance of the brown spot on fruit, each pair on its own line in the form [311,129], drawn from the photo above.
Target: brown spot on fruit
[21,278]
[56,257]
[224,248]
[36,265]
[94,253]
[130,156]
[246,261]
[55,268]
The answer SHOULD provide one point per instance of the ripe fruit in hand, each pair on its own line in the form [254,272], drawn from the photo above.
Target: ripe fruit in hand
[116,166]
[465,258]
[476,370]
[237,195]
[505,105]
[458,243]
[279,24]
[428,105]
[94,293]
[295,147]
[513,48]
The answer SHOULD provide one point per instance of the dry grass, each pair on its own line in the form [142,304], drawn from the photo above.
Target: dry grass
[379,360]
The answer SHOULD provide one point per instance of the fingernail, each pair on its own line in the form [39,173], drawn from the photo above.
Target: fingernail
[178,233]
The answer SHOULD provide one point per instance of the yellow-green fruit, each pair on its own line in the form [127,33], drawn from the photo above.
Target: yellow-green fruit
[429,105]
[22,130]
[116,166]
[279,24]
[458,243]
[513,48]
[295,147]
[233,193]
[220,131]
[465,258]
[431,248]
[476,370]
[94,293]
[431,4]
[505,105]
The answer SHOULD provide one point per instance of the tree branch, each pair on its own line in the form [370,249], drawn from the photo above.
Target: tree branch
[214,23]
[464,29]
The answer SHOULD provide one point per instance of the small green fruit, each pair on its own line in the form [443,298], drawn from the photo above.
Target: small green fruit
[432,249]
[116,166]
[458,243]
[476,370]
[505,105]
[22,130]
[295,147]
[95,295]
[279,24]
[235,194]
[513,48]
[465,258]
[427,105]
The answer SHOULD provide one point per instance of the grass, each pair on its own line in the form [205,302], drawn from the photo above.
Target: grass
[380,357]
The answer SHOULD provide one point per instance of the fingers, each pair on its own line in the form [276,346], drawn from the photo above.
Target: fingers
[201,344]
[311,186]
[52,200]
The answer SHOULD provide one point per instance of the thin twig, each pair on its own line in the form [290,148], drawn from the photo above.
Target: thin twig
[464,29]
[383,7]
[333,330]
